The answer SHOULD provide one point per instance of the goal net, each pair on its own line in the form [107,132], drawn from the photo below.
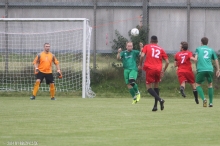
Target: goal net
[22,39]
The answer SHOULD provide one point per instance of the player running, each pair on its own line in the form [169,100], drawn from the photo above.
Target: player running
[184,71]
[43,69]
[153,68]
[129,57]
[204,56]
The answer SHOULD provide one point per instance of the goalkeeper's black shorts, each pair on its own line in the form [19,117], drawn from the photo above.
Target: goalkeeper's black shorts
[48,77]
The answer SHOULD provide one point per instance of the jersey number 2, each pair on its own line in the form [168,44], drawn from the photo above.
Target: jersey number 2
[206,53]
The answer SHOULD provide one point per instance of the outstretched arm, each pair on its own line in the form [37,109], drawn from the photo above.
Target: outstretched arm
[141,60]
[141,46]
[118,55]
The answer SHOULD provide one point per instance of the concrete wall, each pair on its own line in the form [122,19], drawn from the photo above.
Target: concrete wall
[205,23]
[170,25]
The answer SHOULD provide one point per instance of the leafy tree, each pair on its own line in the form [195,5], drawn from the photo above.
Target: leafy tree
[120,41]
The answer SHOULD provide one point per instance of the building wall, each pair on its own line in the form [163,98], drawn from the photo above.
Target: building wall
[169,24]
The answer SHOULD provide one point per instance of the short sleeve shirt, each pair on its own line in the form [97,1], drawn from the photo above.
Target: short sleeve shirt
[129,59]
[205,57]
[183,61]
[154,56]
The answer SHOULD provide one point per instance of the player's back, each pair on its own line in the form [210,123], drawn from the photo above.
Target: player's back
[154,56]
[183,61]
[205,57]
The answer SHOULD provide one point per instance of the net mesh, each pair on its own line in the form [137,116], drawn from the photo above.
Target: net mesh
[20,42]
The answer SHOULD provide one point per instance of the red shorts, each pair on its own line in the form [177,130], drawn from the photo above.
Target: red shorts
[186,77]
[153,76]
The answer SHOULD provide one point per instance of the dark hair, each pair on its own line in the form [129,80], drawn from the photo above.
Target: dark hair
[154,39]
[184,45]
[204,40]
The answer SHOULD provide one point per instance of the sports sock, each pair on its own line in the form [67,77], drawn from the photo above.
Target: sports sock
[157,91]
[132,92]
[52,90]
[200,92]
[36,87]
[195,93]
[210,91]
[181,87]
[135,87]
[154,94]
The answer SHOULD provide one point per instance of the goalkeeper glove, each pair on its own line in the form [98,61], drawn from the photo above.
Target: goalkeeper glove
[59,74]
[36,71]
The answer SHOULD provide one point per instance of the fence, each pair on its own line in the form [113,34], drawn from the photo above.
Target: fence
[172,21]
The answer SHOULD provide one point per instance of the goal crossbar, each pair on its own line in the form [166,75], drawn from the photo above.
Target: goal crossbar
[85,65]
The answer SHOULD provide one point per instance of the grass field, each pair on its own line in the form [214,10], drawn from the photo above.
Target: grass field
[107,122]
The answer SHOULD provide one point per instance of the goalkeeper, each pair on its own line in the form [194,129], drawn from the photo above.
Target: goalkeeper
[43,69]
[129,57]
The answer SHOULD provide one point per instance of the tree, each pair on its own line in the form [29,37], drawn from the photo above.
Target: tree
[120,41]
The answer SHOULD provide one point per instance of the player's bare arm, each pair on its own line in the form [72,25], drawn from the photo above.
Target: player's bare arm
[193,59]
[196,57]
[165,67]
[57,67]
[141,46]
[217,68]
[175,65]
[141,60]
[118,55]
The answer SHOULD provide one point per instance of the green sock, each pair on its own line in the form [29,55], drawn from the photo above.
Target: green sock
[200,91]
[210,91]
[132,92]
[135,87]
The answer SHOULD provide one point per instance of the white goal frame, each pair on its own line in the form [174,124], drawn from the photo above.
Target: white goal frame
[85,66]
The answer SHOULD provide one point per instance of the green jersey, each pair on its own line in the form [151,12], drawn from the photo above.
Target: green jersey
[129,59]
[205,57]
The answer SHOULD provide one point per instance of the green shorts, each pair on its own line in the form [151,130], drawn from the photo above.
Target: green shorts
[130,74]
[201,76]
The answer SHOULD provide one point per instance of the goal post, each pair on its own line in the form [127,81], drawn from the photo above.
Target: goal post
[21,39]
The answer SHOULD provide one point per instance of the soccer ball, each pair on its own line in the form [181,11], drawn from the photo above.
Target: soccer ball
[134,32]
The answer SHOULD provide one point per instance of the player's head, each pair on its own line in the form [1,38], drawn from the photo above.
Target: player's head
[46,47]
[129,46]
[154,39]
[183,46]
[204,41]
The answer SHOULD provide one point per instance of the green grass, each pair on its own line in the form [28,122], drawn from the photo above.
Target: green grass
[108,122]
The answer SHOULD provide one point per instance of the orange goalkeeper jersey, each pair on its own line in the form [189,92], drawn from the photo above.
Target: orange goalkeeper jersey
[44,61]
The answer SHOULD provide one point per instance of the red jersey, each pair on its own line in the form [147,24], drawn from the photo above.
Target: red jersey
[183,61]
[154,56]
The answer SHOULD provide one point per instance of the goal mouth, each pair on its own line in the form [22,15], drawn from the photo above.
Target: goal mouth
[21,39]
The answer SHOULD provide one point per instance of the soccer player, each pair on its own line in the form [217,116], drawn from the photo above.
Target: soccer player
[184,71]
[129,57]
[153,68]
[43,69]
[204,56]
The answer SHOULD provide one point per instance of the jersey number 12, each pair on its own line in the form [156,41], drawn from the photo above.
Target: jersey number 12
[155,53]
